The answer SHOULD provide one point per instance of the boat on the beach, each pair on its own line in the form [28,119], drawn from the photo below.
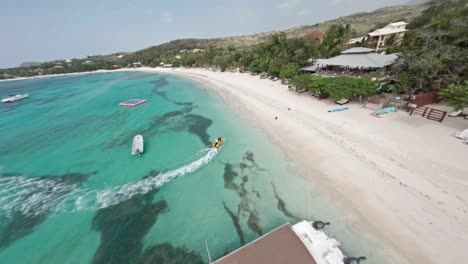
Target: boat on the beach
[218,142]
[13,98]
[137,146]
[384,112]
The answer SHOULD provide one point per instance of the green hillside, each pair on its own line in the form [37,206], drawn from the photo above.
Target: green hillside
[360,23]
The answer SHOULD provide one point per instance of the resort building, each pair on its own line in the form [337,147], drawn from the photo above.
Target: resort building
[302,243]
[351,62]
[379,38]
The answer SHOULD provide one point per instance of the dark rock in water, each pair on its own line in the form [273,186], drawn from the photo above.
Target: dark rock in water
[51,188]
[123,227]
[235,221]
[167,254]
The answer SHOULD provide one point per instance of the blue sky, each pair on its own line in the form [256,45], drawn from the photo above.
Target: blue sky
[33,30]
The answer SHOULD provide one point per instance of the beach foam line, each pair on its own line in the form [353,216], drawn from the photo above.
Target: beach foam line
[36,196]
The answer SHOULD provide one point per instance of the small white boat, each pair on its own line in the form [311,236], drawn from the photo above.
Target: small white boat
[13,98]
[137,146]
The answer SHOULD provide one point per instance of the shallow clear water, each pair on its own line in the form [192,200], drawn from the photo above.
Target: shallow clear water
[71,193]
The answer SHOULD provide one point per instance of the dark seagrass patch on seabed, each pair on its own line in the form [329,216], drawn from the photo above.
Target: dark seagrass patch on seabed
[168,254]
[235,221]
[282,205]
[236,181]
[174,121]
[123,227]
[50,187]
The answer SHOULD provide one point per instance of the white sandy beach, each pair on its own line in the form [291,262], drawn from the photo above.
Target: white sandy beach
[404,177]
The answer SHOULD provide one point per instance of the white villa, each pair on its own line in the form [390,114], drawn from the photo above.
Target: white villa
[379,38]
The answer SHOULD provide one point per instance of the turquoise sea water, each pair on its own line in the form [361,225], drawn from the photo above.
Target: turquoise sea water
[71,193]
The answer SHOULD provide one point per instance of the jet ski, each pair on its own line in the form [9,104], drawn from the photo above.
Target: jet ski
[218,142]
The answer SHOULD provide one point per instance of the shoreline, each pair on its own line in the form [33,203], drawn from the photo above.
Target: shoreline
[402,178]
[73,74]
[395,184]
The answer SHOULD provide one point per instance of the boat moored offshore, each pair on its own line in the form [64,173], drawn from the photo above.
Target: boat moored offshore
[137,145]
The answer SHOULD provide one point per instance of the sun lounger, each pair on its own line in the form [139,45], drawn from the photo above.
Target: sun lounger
[455,113]
[384,112]
[462,135]
[342,101]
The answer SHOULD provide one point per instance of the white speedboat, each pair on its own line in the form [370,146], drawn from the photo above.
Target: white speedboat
[137,146]
[13,98]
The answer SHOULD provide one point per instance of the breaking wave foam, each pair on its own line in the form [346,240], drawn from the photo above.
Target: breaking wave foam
[35,196]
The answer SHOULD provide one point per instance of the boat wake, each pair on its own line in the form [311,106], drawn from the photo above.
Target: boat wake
[36,196]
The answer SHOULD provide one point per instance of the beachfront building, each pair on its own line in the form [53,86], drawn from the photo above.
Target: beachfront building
[302,243]
[351,62]
[379,38]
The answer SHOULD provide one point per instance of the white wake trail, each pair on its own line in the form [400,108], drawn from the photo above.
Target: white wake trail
[111,196]
[32,196]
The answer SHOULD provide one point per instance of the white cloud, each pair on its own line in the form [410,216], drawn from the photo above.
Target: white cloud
[336,2]
[302,12]
[289,4]
[167,18]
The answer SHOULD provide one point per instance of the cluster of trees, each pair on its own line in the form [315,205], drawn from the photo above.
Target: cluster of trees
[337,88]
[457,95]
[435,50]
[270,56]
[278,56]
